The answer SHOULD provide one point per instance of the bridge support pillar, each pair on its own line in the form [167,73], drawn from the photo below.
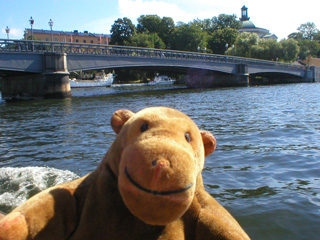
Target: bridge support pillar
[312,74]
[242,75]
[56,76]
[52,83]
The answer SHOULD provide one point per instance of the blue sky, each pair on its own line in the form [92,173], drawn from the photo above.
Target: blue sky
[281,17]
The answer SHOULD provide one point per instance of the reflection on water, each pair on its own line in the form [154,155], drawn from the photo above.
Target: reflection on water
[265,170]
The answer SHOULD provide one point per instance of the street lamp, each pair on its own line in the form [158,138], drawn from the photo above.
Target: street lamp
[7,31]
[31,23]
[51,24]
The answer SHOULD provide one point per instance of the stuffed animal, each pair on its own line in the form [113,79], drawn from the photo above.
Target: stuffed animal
[148,186]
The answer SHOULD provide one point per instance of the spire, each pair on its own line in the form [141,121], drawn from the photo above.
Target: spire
[244,14]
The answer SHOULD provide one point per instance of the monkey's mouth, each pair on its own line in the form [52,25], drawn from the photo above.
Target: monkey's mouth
[159,193]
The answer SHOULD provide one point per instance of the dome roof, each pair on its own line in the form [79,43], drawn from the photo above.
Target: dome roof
[248,24]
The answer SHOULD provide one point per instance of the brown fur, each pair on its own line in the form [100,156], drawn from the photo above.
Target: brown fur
[148,186]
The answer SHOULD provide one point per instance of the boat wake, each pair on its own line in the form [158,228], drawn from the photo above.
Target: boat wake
[19,184]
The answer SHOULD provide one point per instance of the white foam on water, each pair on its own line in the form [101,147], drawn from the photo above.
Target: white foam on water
[19,184]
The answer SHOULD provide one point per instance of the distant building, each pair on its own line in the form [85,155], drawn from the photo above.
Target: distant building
[311,61]
[248,26]
[68,37]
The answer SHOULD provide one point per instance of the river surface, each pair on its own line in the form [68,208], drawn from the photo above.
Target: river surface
[265,171]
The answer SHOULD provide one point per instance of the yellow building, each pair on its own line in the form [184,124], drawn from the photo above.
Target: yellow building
[67,37]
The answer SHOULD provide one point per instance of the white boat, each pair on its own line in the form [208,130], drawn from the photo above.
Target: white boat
[162,80]
[99,81]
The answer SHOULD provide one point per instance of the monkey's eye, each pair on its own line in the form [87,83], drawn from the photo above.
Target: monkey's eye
[144,127]
[187,136]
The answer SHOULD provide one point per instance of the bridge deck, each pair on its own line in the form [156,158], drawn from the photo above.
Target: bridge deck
[26,56]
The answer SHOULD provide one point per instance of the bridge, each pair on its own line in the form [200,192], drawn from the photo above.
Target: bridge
[35,69]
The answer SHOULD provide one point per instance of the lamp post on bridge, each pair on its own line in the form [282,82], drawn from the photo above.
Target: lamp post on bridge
[201,50]
[31,23]
[51,25]
[7,31]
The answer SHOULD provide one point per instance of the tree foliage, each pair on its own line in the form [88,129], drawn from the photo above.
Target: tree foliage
[291,50]
[146,40]
[189,38]
[214,36]
[163,27]
[225,21]
[220,39]
[217,23]
[167,30]
[221,30]
[148,24]
[309,48]
[308,30]
[308,37]
[249,45]
[122,30]
[243,44]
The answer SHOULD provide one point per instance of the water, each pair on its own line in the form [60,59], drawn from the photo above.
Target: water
[265,171]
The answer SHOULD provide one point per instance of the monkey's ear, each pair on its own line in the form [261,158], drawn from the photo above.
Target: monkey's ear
[119,118]
[209,142]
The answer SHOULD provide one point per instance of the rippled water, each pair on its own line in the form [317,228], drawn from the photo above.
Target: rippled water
[265,171]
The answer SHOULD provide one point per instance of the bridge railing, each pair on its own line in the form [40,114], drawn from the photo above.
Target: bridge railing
[82,48]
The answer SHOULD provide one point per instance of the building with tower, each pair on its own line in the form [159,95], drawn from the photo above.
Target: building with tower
[248,26]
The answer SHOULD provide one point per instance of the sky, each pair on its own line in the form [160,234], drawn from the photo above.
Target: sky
[280,17]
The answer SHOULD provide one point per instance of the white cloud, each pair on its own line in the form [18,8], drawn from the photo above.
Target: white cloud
[135,8]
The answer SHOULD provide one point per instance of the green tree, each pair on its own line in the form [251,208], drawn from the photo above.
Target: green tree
[219,38]
[243,44]
[308,30]
[309,48]
[167,31]
[189,38]
[146,40]
[164,27]
[148,24]
[268,49]
[272,49]
[205,25]
[225,21]
[317,37]
[258,52]
[221,22]
[291,50]
[122,30]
